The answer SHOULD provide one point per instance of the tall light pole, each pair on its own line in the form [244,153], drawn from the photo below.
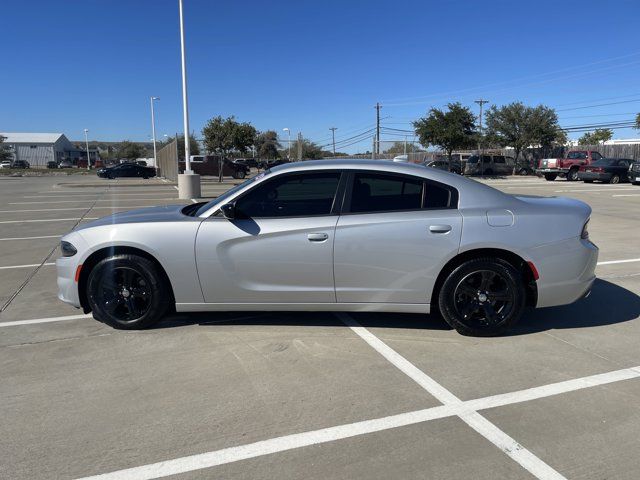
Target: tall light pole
[188,182]
[333,135]
[153,133]
[289,134]
[86,142]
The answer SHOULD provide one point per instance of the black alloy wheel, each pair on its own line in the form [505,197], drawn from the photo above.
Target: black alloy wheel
[127,292]
[482,297]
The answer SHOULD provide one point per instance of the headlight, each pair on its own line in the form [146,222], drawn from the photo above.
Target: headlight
[585,232]
[67,249]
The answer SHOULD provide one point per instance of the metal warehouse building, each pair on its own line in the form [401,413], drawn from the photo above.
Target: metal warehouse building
[40,148]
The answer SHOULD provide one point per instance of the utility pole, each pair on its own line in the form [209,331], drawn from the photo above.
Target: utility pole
[333,135]
[299,146]
[377,107]
[153,133]
[405,144]
[481,102]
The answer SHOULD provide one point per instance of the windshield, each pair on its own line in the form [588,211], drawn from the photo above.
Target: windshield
[473,159]
[230,192]
[576,155]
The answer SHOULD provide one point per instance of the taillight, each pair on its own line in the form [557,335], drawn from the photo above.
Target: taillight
[597,169]
[585,232]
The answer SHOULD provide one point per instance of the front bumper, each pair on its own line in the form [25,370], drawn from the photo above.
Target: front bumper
[603,177]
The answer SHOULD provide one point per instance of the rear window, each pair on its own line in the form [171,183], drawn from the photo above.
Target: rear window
[577,155]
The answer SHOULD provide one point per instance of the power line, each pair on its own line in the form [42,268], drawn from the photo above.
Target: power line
[598,105]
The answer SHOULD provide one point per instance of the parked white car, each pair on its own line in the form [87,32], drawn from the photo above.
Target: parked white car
[5,164]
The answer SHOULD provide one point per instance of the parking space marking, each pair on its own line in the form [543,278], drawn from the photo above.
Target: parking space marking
[49,220]
[43,320]
[526,459]
[617,189]
[8,267]
[627,195]
[28,238]
[47,202]
[325,435]
[611,262]
[68,208]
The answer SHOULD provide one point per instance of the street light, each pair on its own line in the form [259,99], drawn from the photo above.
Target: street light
[86,142]
[153,133]
[188,182]
[289,133]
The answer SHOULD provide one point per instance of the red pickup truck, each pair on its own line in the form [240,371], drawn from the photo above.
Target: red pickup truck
[551,168]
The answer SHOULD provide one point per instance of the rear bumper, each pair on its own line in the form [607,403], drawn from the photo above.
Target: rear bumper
[567,271]
[544,171]
[603,177]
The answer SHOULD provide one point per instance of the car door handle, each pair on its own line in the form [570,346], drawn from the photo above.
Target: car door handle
[317,237]
[440,228]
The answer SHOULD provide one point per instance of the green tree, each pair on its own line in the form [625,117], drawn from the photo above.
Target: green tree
[194,146]
[310,151]
[449,130]
[130,150]
[398,148]
[598,136]
[267,144]
[5,153]
[519,126]
[224,135]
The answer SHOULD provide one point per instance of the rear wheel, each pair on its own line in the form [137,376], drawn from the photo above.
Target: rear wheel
[127,292]
[615,178]
[550,177]
[572,176]
[482,297]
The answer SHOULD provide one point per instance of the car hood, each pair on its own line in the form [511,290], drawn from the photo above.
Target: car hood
[165,213]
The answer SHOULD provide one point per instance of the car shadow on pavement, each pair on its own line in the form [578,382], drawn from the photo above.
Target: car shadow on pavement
[608,304]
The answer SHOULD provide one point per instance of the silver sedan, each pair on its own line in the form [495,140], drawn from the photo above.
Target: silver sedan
[336,236]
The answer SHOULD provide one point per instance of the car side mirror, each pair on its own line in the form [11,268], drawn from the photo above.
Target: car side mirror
[228,210]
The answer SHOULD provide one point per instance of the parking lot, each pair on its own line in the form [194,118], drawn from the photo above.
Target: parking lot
[311,395]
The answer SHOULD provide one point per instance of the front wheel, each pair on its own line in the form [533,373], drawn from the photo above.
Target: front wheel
[572,176]
[127,292]
[240,174]
[615,179]
[482,297]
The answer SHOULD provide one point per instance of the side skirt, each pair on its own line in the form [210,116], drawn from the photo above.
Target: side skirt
[305,307]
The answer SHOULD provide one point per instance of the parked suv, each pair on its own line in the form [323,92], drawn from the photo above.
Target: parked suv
[489,165]
[20,164]
[634,173]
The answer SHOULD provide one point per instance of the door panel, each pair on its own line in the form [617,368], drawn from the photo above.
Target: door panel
[393,257]
[268,260]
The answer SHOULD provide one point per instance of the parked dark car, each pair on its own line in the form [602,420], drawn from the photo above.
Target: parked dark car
[248,162]
[52,164]
[455,167]
[209,165]
[610,170]
[126,170]
[66,164]
[264,164]
[23,164]
[634,173]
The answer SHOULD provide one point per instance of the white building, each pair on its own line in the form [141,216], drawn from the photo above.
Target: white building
[40,148]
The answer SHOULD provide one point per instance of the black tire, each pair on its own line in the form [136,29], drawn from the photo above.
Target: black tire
[523,172]
[572,175]
[615,179]
[550,177]
[488,171]
[240,174]
[127,292]
[145,178]
[469,309]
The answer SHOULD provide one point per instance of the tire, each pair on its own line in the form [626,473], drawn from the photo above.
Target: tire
[523,172]
[145,178]
[550,177]
[615,179]
[469,312]
[572,175]
[240,174]
[127,292]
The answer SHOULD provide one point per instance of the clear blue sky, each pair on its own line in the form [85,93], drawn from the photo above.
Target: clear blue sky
[310,65]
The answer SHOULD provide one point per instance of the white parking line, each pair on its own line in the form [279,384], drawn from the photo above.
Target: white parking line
[117,194]
[49,220]
[627,195]
[315,437]
[611,262]
[43,320]
[9,267]
[97,201]
[28,238]
[484,427]
[617,189]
